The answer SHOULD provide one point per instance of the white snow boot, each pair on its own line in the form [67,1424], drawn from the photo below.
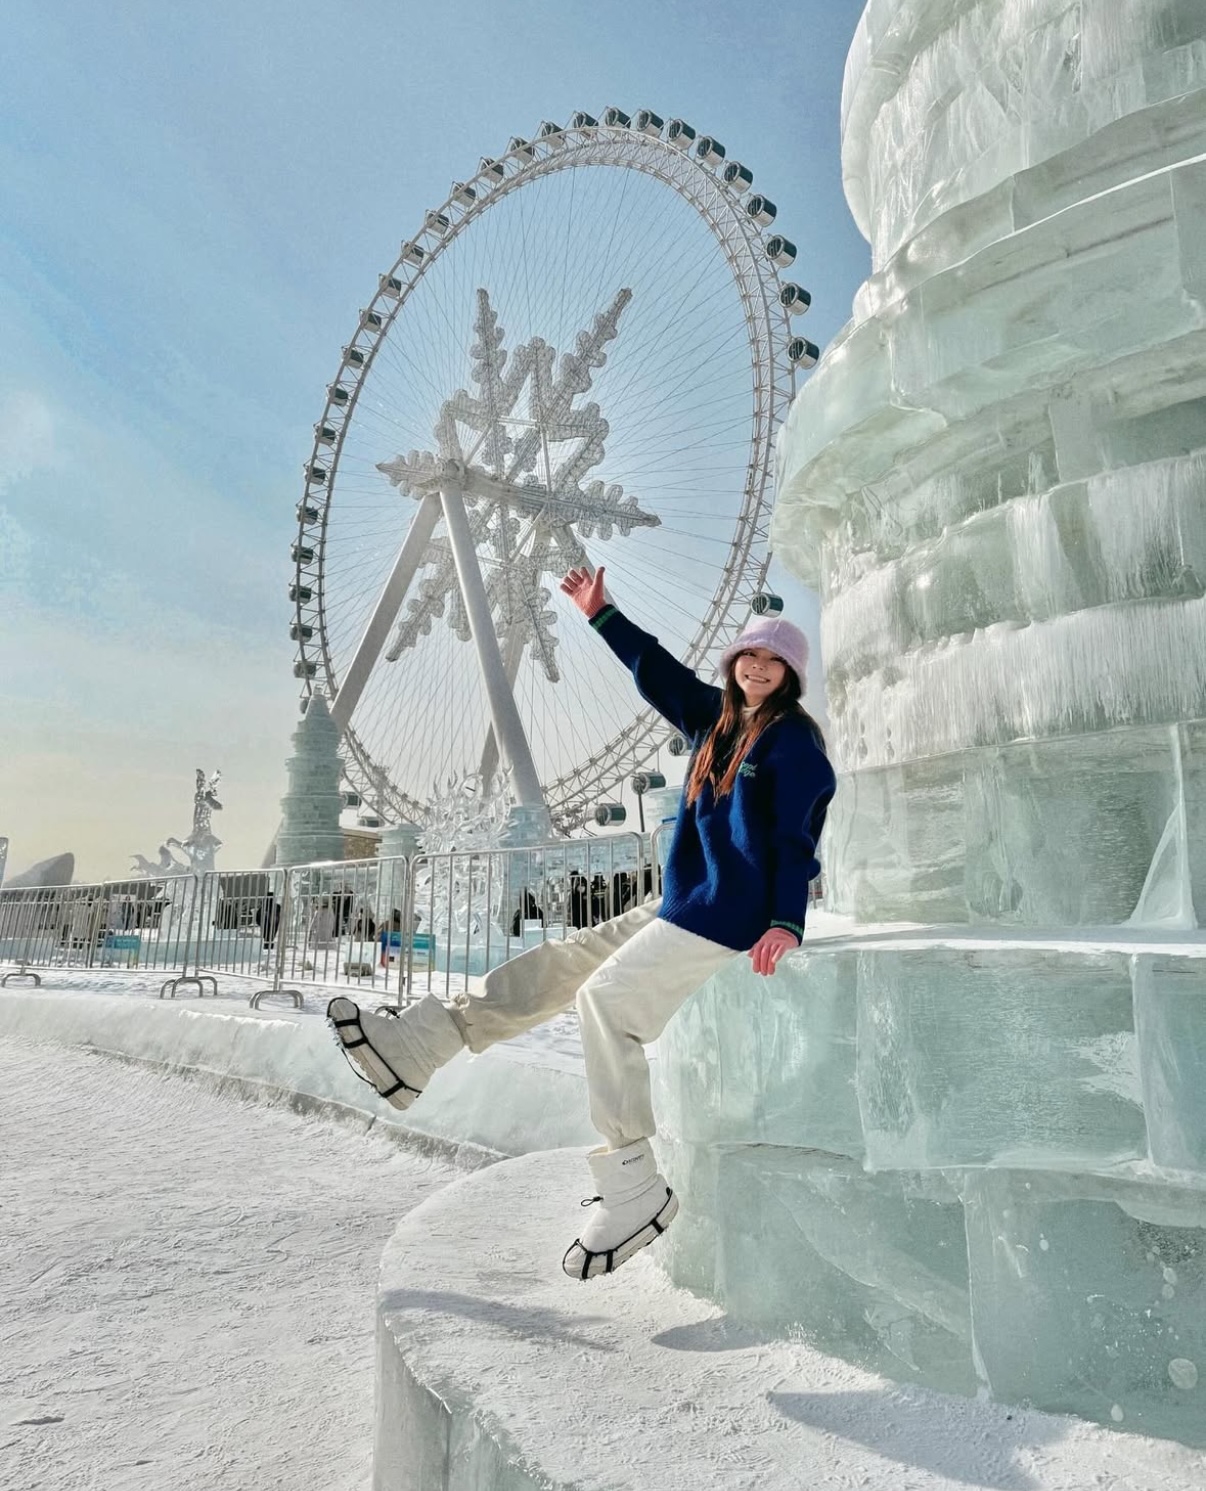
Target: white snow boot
[635,1206]
[396,1053]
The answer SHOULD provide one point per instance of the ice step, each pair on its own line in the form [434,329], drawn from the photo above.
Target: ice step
[495,1370]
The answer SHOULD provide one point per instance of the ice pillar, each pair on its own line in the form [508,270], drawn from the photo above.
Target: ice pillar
[975,1152]
[997,477]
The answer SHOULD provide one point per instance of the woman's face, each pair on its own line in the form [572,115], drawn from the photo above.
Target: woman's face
[758,673]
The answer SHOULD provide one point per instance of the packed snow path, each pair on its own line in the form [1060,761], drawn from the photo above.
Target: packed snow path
[189,1282]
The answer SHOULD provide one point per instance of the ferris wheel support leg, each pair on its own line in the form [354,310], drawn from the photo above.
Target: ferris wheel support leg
[409,559]
[508,727]
[512,658]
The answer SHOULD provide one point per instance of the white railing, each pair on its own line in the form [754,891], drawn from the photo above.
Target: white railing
[330,925]
[112,925]
[394,928]
[471,910]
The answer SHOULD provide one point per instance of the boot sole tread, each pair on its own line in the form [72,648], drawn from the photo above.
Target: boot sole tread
[343,1015]
[579,1263]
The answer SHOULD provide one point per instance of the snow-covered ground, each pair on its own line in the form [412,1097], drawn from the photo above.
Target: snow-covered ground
[188,1303]
[188,1282]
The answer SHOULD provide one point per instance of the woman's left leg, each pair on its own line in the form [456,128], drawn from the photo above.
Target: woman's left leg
[623,1006]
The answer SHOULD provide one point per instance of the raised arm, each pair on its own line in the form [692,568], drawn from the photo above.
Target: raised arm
[677,693]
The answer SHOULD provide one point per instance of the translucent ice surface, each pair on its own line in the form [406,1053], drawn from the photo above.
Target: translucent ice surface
[1089,1296]
[871,1267]
[995,475]
[939,112]
[998,1057]
[765,1061]
[1002,835]
[1170,1021]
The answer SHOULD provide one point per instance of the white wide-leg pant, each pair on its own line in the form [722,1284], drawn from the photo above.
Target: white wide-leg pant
[628,975]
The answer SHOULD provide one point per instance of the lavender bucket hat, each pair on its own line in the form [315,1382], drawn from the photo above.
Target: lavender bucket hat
[776,635]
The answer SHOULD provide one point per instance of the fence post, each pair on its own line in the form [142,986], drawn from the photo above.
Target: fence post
[406,966]
[24,930]
[278,948]
[192,943]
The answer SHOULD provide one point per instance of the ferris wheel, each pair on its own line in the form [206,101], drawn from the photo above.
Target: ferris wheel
[581,357]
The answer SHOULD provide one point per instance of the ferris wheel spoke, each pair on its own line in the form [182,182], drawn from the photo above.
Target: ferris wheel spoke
[512,657]
[364,660]
[508,726]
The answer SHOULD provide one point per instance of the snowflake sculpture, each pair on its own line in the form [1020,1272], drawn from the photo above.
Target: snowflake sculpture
[464,883]
[521,466]
[467,813]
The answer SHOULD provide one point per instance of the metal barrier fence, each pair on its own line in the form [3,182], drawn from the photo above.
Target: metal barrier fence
[237,918]
[112,925]
[338,923]
[395,928]
[659,847]
[471,910]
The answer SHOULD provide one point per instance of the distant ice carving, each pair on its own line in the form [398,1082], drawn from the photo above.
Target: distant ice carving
[196,853]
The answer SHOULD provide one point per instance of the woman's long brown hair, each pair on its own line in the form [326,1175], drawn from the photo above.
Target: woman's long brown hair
[730,738]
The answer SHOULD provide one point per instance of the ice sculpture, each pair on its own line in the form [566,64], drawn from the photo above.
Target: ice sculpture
[202,844]
[312,803]
[973,1152]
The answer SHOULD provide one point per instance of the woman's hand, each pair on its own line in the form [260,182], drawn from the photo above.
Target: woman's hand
[585,590]
[770,947]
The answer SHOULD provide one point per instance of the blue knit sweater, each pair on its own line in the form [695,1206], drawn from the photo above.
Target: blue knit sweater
[741,863]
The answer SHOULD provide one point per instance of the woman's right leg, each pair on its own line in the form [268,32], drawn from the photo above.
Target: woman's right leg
[531,989]
[398,1054]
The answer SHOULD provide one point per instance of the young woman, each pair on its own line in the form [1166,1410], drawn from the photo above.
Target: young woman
[736,881]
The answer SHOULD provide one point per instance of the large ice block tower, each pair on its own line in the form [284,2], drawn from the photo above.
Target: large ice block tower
[973,1153]
[997,478]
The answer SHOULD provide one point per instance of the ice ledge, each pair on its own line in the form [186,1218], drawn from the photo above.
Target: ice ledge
[496,1370]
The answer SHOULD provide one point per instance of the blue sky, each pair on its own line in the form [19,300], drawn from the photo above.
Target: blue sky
[198,200]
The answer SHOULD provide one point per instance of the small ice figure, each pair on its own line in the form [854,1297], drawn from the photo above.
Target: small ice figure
[322,925]
[1183,1373]
[1117,1414]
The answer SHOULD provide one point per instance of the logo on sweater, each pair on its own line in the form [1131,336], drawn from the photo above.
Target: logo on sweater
[746,770]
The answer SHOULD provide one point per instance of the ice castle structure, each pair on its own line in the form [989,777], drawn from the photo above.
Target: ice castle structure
[312,802]
[971,1151]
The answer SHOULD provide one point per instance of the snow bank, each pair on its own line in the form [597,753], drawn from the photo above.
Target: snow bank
[519,1097]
